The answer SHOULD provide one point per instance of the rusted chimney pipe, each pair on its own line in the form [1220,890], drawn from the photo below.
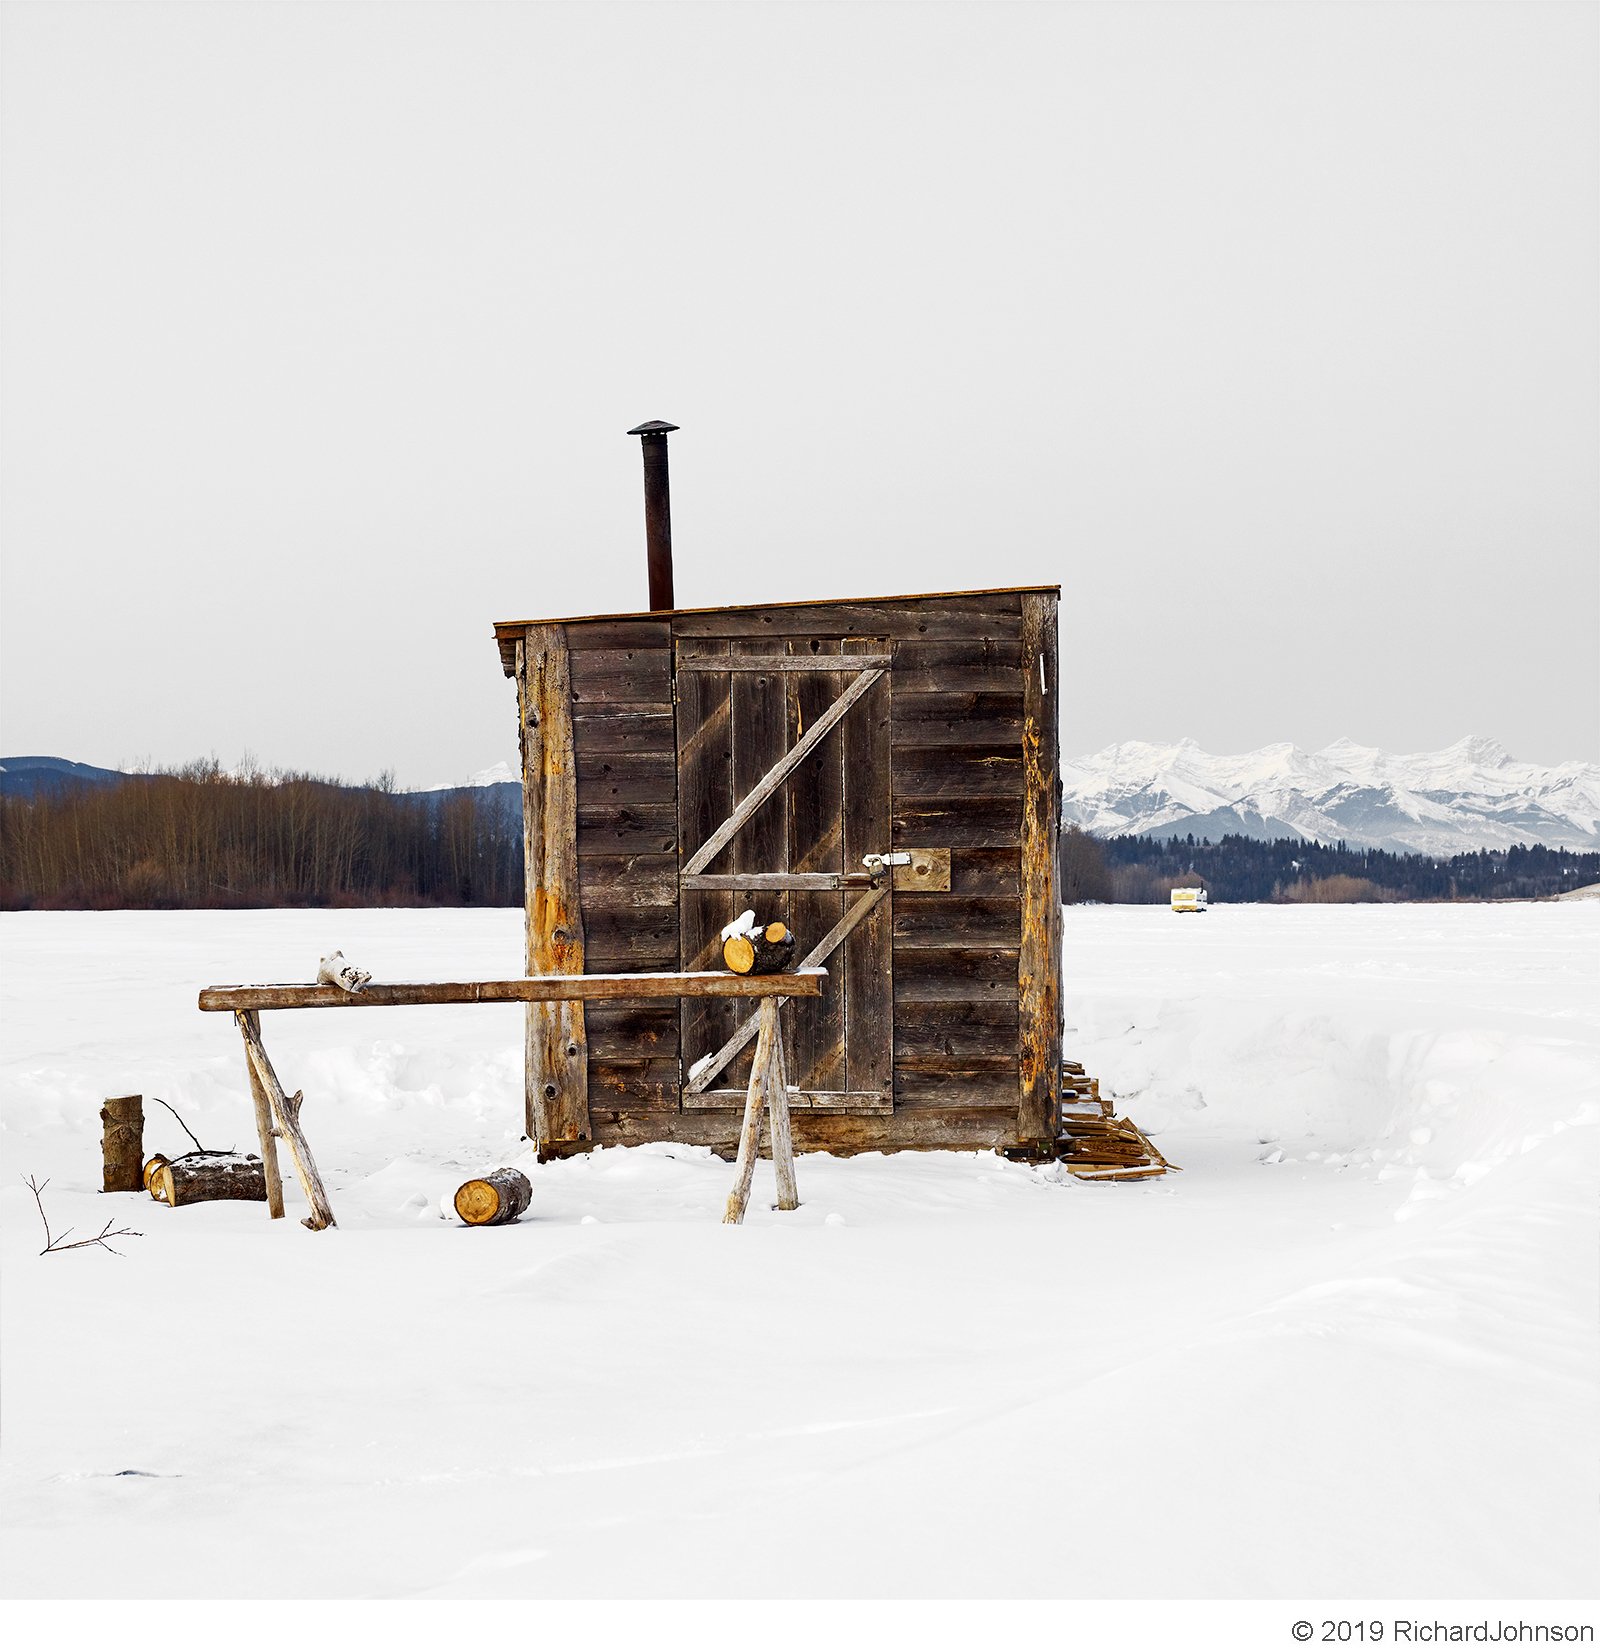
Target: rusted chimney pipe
[657,510]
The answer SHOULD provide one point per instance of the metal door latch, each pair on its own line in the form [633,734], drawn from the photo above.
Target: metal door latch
[877,864]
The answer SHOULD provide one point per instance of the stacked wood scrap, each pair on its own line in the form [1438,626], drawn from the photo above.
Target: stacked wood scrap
[1093,1142]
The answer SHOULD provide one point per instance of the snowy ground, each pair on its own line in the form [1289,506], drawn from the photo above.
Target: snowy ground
[1351,1351]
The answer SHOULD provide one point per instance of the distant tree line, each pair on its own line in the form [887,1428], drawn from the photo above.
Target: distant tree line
[200,837]
[1143,870]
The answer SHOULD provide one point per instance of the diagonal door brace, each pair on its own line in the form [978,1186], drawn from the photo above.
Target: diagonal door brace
[705,1072]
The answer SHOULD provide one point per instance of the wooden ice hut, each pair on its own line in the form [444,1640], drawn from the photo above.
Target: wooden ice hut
[881,775]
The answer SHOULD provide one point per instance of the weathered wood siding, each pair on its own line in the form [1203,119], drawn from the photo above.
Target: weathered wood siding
[624,735]
[968,734]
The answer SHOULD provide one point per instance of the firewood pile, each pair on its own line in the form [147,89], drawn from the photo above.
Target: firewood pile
[1093,1142]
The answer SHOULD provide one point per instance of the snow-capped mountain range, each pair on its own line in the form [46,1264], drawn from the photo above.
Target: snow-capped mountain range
[1470,795]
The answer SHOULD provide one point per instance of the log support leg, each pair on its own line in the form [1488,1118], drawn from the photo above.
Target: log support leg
[265,1130]
[769,1091]
[286,1109]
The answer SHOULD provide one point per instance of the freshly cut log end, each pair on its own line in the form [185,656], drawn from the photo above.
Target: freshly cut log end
[151,1168]
[769,950]
[495,1200]
[210,1177]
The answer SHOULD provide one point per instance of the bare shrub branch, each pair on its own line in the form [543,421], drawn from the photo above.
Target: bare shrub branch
[59,1245]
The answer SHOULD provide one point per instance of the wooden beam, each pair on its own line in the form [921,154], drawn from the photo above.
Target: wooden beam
[768,1092]
[1039,953]
[706,1072]
[785,664]
[266,1133]
[778,1112]
[805,981]
[781,770]
[557,1063]
[286,1108]
[849,1105]
[780,880]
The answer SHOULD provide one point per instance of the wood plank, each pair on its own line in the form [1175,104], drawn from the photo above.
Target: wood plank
[867,954]
[705,796]
[760,843]
[632,935]
[932,1128]
[570,988]
[634,961]
[956,973]
[635,1085]
[623,778]
[649,726]
[991,871]
[557,1060]
[630,675]
[778,1115]
[991,732]
[286,1116]
[960,772]
[645,828]
[779,881]
[761,1078]
[959,1029]
[814,1030]
[950,658]
[973,822]
[636,635]
[622,882]
[856,1105]
[769,664]
[780,771]
[960,1084]
[1039,959]
[995,614]
[989,611]
[941,919]
[266,1128]
[939,705]
[624,1032]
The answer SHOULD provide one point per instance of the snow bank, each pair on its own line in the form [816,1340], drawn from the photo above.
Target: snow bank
[1350,1350]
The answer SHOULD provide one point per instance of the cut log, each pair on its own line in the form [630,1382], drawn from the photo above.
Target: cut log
[762,952]
[122,1143]
[495,1200]
[210,1177]
[148,1173]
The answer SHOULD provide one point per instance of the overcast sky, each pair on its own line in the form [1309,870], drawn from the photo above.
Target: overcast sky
[1267,331]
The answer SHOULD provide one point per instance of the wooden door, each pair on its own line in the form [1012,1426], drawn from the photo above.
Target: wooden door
[783,790]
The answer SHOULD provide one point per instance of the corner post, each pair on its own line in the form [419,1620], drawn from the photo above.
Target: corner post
[557,1062]
[1039,959]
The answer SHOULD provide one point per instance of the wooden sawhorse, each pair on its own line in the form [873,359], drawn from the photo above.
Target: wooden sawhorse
[278,1114]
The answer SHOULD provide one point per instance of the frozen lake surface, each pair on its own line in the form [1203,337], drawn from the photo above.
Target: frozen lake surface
[1351,1351]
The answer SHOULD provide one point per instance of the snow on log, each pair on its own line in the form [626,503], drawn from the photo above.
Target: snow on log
[122,1143]
[495,1200]
[209,1177]
[334,970]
